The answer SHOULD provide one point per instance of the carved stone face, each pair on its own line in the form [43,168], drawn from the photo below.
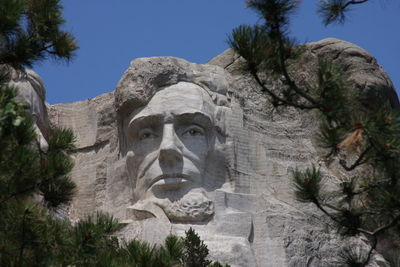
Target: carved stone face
[170,140]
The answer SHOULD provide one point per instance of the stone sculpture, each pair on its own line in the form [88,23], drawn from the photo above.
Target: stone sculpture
[181,145]
[31,90]
[172,142]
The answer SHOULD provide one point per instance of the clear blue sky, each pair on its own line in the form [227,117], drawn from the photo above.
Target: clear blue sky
[112,33]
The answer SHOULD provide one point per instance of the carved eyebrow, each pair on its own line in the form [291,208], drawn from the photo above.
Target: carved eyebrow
[196,117]
[148,120]
[145,120]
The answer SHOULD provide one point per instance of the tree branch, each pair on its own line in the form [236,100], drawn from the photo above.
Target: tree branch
[319,206]
[354,3]
[285,73]
[21,249]
[357,163]
[383,228]
[17,193]
[278,98]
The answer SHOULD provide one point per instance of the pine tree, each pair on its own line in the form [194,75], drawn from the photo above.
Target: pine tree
[334,11]
[34,183]
[366,203]
[29,32]
[196,252]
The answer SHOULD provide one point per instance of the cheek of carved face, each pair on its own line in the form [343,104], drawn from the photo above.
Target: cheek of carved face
[168,156]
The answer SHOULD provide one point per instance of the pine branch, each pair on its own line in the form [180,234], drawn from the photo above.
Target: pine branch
[383,228]
[334,10]
[15,194]
[285,73]
[383,157]
[277,98]
[354,3]
[330,215]
[21,250]
[266,47]
[373,233]
[320,207]
[360,160]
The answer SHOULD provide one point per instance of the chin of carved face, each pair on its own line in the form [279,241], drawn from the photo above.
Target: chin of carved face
[193,207]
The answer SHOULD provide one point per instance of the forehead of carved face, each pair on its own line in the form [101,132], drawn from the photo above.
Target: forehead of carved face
[169,141]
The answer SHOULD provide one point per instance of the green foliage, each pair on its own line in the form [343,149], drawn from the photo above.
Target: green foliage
[137,253]
[57,187]
[92,239]
[265,46]
[31,180]
[29,236]
[334,92]
[37,238]
[274,12]
[330,136]
[196,252]
[251,44]
[25,170]
[307,184]
[62,139]
[30,32]
[91,243]
[334,11]
[11,113]
[394,261]
[173,249]
[140,253]
[356,131]
[33,238]
[260,49]
[16,136]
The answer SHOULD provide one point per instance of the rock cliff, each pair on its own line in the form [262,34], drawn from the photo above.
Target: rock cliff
[255,219]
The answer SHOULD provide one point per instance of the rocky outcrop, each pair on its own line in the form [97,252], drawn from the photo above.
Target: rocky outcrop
[364,72]
[31,91]
[256,220]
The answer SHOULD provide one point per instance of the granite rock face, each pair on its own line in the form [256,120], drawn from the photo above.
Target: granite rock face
[181,145]
[31,90]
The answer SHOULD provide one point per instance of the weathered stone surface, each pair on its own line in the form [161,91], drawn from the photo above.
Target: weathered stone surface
[31,91]
[363,70]
[234,191]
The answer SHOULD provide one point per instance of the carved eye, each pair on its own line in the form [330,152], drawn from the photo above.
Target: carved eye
[146,134]
[194,130]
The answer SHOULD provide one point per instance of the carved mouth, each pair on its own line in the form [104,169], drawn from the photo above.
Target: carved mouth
[170,181]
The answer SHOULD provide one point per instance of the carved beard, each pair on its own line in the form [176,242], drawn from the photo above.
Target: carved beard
[193,207]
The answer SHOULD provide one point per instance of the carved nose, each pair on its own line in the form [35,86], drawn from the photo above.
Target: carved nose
[170,152]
